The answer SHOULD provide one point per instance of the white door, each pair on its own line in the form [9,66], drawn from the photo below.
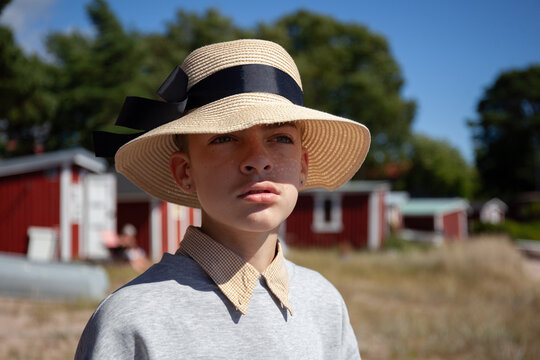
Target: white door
[99,214]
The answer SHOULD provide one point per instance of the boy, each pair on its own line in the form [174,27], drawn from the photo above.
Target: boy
[233,139]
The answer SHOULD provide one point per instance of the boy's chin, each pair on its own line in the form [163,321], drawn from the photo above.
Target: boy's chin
[260,225]
[266,220]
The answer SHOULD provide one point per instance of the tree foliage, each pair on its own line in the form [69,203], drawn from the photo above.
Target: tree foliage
[186,33]
[348,71]
[507,134]
[27,99]
[436,168]
[94,75]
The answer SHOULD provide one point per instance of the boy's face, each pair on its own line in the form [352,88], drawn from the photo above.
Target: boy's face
[247,180]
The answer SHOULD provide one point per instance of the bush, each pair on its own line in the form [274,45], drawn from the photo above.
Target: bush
[514,229]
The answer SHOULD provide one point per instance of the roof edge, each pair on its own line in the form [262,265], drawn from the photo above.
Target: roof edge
[32,163]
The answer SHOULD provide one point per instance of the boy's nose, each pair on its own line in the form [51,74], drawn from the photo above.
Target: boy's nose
[257,160]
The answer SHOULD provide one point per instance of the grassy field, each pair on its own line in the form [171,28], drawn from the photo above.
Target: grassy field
[470,300]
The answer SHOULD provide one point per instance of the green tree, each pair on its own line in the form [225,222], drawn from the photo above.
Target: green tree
[436,168]
[349,71]
[27,99]
[187,32]
[507,134]
[190,31]
[346,70]
[95,74]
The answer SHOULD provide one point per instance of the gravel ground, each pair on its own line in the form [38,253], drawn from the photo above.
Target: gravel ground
[532,267]
[40,330]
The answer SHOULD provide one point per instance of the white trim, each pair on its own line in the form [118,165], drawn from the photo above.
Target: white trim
[282,236]
[155,230]
[84,204]
[172,227]
[184,220]
[320,225]
[91,163]
[373,221]
[462,223]
[84,227]
[197,217]
[438,223]
[65,218]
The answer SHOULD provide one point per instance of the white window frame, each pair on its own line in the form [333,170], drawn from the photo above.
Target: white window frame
[335,224]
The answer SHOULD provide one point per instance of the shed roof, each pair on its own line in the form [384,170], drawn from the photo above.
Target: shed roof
[358,186]
[30,163]
[433,206]
[396,198]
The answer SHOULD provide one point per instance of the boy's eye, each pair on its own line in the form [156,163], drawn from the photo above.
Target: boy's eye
[221,139]
[284,139]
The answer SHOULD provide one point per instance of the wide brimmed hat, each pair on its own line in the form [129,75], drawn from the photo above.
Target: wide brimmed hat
[222,88]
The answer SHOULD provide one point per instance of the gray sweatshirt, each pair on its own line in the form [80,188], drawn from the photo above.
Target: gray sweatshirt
[175,311]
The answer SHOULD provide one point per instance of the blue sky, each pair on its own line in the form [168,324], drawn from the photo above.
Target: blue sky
[449,51]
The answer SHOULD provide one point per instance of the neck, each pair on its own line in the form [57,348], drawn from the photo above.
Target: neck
[256,248]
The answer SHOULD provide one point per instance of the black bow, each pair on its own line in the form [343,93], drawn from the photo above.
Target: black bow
[144,114]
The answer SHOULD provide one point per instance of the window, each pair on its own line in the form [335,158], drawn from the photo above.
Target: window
[327,213]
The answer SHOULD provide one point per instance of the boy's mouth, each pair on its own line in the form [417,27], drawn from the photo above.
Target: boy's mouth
[259,189]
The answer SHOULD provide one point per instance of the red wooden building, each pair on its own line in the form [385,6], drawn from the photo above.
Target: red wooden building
[65,191]
[353,214]
[444,217]
[160,225]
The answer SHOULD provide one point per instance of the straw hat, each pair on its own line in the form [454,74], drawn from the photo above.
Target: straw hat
[228,87]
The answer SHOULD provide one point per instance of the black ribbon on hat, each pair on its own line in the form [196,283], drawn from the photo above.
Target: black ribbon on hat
[145,114]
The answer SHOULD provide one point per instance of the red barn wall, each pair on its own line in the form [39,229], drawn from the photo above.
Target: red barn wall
[383,223]
[354,217]
[164,226]
[451,225]
[298,225]
[137,214]
[31,199]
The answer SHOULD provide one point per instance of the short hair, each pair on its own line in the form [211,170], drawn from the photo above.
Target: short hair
[181,141]
[129,230]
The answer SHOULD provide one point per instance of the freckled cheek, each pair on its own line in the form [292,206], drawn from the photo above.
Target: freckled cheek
[288,171]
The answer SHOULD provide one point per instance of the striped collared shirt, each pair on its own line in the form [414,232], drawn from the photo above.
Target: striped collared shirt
[235,277]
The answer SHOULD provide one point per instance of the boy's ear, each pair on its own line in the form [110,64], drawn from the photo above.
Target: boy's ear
[181,171]
[304,167]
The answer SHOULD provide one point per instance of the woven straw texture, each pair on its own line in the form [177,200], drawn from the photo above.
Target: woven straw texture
[336,146]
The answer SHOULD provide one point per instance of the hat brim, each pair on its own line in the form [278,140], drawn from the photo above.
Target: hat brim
[336,146]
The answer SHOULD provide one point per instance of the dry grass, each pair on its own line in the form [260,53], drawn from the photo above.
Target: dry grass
[469,300]
[48,330]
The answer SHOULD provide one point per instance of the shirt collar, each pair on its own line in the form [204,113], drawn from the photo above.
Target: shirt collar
[235,277]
